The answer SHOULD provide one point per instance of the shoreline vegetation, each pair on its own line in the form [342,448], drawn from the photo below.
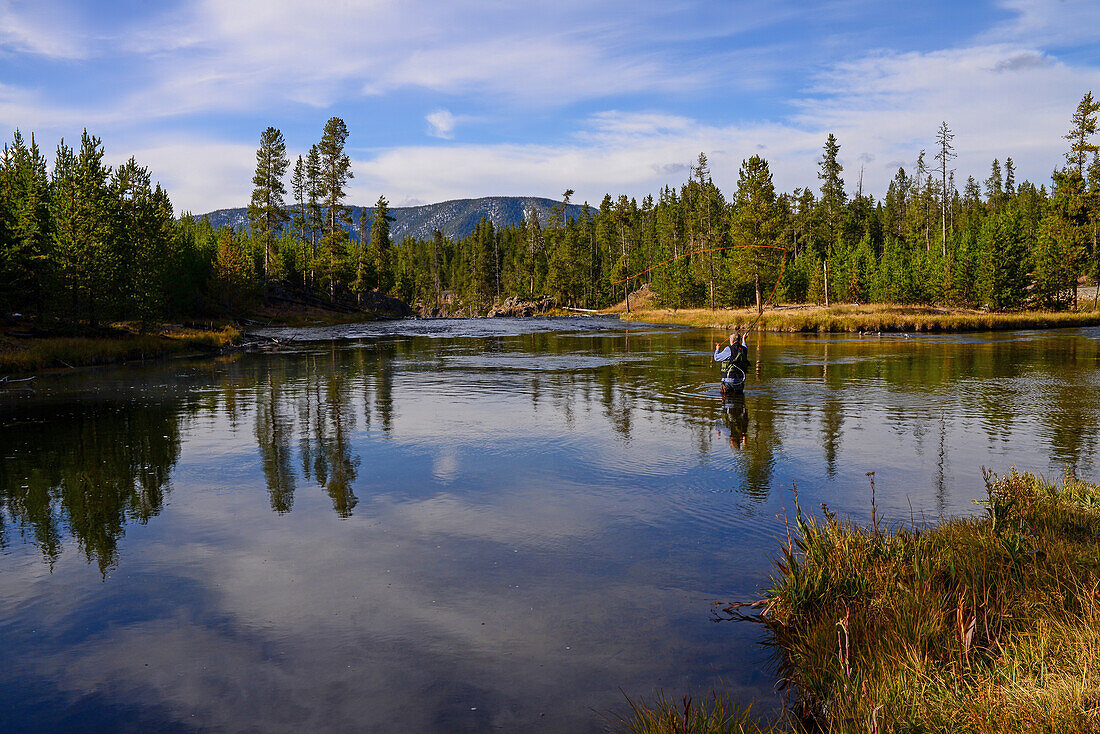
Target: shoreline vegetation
[62,347]
[975,624]
[91,244]
[863,318]
[120,342]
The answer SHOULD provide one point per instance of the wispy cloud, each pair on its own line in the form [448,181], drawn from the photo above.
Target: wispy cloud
[617,97]
[42,28]
[441,124]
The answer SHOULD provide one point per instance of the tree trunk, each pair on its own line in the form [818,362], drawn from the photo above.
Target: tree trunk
[825,270]
[759,302]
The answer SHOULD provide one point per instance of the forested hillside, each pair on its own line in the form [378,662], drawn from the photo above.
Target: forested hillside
[456,218]
[86,242]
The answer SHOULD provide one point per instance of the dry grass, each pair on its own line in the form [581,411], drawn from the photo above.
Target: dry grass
[977,625]
[877,317]
[30,354]
[989,625]
[716,714]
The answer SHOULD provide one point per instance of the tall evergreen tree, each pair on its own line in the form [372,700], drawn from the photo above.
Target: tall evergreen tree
[380,244]
[833,196]
[755,221]
[335,171]
[299,188]
[1081,132]
[83,212]
[947,151]
[314,214]
[267,211]
[1005,259]
[24,226]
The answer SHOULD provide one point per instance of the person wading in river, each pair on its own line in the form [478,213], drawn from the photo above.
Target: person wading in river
[735,363]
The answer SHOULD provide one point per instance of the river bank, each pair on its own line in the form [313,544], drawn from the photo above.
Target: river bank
[987,624]
[23,351]
[862,318]
[28,344]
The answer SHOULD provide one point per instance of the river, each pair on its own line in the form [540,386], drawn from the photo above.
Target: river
[470,525]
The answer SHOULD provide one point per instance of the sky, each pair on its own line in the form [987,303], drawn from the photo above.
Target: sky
[449,100]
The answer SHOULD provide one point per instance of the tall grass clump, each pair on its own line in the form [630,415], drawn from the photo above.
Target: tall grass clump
[715,714]
[985,624]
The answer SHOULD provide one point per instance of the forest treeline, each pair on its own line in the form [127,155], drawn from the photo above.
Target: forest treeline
[88,243]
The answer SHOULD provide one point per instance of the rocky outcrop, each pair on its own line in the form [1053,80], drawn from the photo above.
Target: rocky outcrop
[450,306]
[514,306]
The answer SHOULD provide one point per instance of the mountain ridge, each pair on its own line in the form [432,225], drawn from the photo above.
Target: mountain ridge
[456,218]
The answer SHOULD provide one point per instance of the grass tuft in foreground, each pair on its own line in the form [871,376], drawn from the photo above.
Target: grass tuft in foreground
[987,625]
[716,714]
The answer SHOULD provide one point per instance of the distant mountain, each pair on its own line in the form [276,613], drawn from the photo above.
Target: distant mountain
[456,218]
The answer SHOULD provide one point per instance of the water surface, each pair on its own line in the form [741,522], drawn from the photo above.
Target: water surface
[434,526]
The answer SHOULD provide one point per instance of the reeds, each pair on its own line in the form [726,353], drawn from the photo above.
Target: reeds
[867,318]
[715,714]
[989,624]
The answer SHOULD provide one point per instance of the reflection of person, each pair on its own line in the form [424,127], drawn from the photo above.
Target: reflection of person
[735,363]
[734,423]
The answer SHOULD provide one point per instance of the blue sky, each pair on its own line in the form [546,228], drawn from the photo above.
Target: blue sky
[454,99]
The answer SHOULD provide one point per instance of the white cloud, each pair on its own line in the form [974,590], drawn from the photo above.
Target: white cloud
[441,124]
[199,175]
[1056,23]
[42,28]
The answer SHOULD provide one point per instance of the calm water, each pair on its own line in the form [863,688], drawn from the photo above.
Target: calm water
[436,526]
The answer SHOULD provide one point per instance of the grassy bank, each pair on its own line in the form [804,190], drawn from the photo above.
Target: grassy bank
[986,624]
[866,318]
[21,353]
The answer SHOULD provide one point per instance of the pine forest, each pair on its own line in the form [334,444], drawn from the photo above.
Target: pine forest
[87,243]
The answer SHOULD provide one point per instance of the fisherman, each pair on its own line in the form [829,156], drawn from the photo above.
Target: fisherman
[735,363]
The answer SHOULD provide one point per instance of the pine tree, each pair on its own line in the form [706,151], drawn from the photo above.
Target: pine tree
[1005,258]
[833,196]
[314,214]
[24,226]
[994,186]
[1080,135]
[335,171]
[267,211]
[299,187]
[380,245]
[484,274]
[83,212]
[366,275]
[755,221]
[1063,242]
[145,224]
[947,151]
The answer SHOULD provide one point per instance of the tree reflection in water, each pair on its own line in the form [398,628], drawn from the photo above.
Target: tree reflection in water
[86,471]
[83,467]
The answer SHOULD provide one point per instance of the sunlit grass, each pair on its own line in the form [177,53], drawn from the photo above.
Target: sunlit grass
[866,318]
[29,354]
[987,624]
[714,714]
